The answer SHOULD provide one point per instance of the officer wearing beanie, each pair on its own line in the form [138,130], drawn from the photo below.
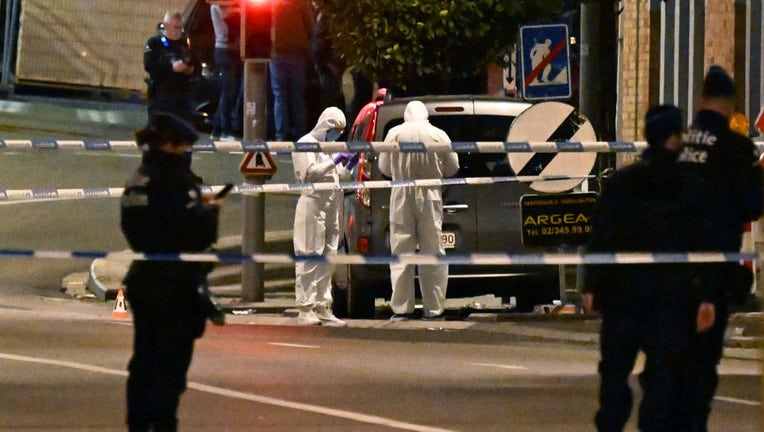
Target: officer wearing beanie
[651,206]
[729,163]
[164,212]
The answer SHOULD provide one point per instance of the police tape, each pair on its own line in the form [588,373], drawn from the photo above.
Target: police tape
[52,193]
[335,147]
[246,188]
[350,146]
[412,259]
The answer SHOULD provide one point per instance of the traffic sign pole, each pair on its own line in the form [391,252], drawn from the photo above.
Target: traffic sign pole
[553,121]
[253,230]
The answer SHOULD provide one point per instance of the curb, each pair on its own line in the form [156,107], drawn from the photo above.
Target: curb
[743,339]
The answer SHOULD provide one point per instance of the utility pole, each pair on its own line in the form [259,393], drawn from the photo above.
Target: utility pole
[598,67]
[256,48]
[590,88]
[253,220]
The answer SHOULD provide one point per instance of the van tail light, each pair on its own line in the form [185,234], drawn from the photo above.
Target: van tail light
[363,245]
[364,174]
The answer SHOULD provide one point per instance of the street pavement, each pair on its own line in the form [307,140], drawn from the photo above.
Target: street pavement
[67,118]
[566,325]
[27,117]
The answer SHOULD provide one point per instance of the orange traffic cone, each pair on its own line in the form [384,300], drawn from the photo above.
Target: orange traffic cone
[119,310]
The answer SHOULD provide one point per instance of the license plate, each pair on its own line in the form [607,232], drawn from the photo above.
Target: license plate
[448,240]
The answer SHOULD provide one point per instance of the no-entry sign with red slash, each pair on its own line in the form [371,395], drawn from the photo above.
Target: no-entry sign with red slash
[544,62]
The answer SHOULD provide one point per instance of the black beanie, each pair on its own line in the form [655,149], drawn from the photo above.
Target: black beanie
[661,122]
[166,127]
[718,84]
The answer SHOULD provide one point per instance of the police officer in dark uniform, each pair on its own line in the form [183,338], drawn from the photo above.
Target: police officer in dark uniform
[164,212]
[729,163]
[649,206]
[168,61]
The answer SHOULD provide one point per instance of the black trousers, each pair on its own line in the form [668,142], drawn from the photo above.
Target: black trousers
[169,99]
[708,348]
[157,376]
[662,333]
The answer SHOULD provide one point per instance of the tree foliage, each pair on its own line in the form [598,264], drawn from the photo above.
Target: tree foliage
[429,44]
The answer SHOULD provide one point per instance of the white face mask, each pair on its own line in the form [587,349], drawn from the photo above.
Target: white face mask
[332,135]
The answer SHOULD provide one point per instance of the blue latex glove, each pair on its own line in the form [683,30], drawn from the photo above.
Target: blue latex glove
[341,157]
[352,161]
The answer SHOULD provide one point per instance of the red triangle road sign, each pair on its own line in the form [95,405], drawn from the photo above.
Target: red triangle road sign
[257,164]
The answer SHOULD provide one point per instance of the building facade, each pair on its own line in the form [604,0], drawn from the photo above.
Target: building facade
[666,46]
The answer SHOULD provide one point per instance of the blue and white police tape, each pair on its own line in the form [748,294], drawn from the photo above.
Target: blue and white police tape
[350,146]
[334,147]
[52,193]
[414,259]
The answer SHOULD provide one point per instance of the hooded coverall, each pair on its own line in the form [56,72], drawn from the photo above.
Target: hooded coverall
[416,213]
[317,216]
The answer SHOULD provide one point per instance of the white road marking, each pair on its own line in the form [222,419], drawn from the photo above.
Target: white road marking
[737,401]
[501,366]
[71,365]
[349,415]
[293,345]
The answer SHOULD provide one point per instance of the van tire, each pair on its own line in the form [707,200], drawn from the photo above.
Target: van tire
[360,297]
[340,285]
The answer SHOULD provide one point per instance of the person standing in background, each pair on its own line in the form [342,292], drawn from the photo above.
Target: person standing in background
[167,59]
[293,28]
[328,66]
[226,22]
[728,161]
[652,205]
[363,93]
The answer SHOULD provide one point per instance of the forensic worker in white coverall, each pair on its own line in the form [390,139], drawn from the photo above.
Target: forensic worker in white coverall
[416,213]
[317,220]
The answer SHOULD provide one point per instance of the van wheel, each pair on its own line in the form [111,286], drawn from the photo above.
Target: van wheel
[351,296]
[340,285]
[339,301]
[360,297]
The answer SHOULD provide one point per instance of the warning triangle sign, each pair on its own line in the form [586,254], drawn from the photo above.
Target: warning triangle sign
[257,164]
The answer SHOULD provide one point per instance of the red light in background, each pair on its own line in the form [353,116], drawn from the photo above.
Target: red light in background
[363,244]
[256,28]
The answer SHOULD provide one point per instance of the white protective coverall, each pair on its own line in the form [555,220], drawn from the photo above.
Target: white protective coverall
[317,216]
[416,213]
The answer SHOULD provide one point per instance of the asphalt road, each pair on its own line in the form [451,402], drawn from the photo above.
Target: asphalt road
[62,365]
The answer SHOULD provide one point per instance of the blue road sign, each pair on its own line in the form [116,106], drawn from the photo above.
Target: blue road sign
[544,62]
